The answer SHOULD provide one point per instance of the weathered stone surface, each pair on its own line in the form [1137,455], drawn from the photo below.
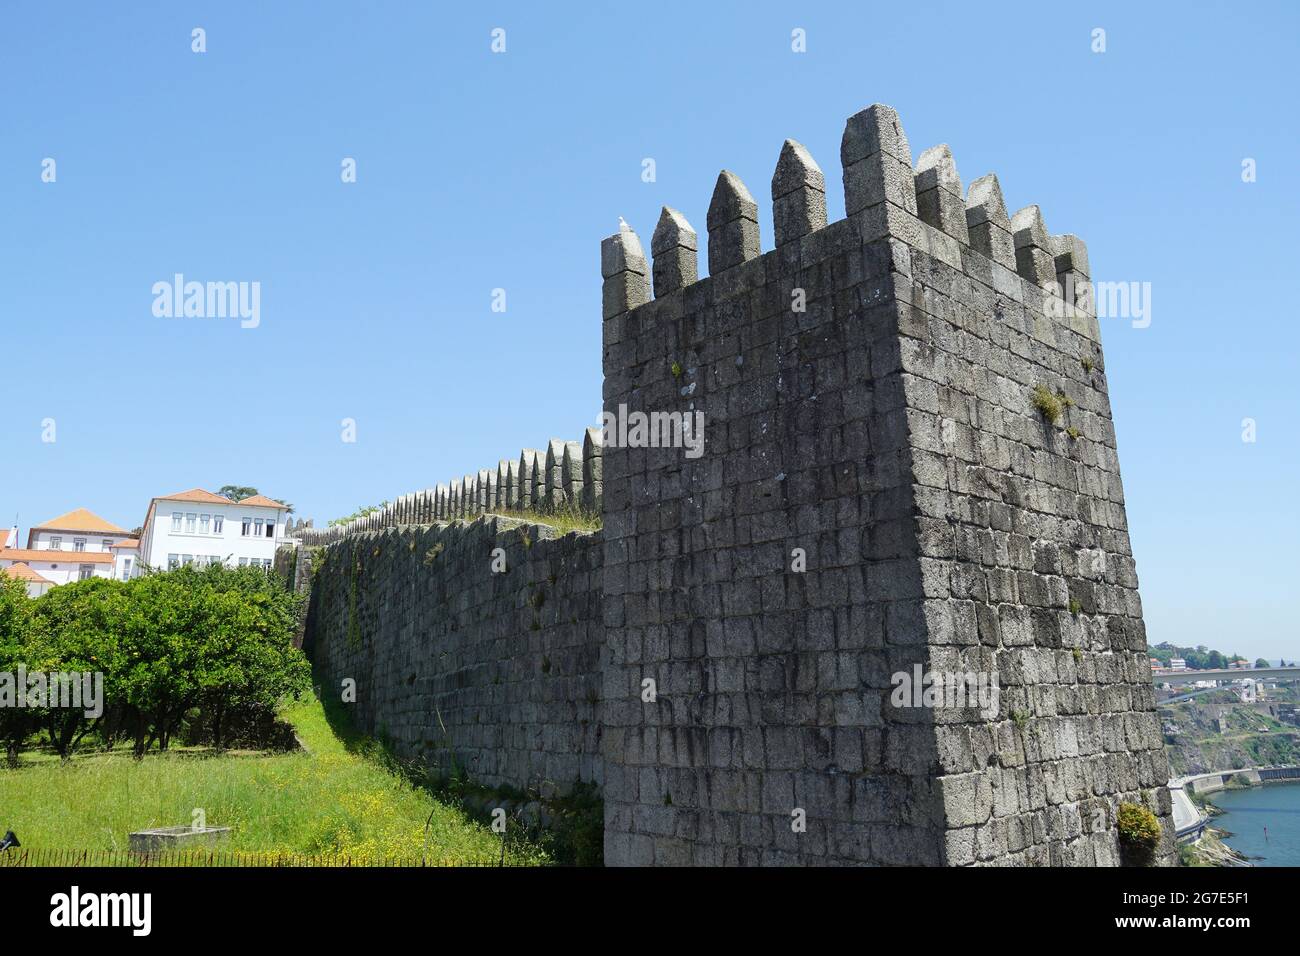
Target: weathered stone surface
[493,673]
[675,250]
[798,194]
[877,497]
[732,222]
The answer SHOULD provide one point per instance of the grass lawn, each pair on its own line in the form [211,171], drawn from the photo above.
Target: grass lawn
[336,798]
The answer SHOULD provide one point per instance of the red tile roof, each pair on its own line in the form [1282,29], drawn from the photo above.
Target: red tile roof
[55,557]
[261,501]
[197,495]
[23,573]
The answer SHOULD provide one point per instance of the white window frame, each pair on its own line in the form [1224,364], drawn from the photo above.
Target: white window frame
[176,522]
[218,524]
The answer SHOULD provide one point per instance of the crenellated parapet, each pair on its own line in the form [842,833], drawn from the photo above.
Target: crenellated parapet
[565,476]
[881,492]
[884,194]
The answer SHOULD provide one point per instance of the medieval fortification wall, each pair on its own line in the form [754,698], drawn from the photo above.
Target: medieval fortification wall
[908,468]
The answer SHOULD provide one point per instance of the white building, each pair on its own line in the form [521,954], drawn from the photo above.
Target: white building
[126,559]
[199,527]
[71,547]
[1177,664]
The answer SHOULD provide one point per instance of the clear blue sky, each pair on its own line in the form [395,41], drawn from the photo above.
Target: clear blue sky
[479,171]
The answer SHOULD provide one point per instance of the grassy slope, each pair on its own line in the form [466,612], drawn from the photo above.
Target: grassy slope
[332,799]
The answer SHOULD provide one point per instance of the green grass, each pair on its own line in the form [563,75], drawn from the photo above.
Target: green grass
[563,520]
[338,797]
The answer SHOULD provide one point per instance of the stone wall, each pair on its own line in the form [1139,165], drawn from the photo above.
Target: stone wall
[493,673]
[565,476]
[880,453]
[868,399]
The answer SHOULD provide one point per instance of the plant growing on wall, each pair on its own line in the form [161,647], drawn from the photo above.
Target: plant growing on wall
[1139,833]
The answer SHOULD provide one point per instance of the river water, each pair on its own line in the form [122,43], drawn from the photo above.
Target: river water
[1275,807]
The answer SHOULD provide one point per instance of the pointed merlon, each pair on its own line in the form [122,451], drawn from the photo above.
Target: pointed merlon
[527,463]
[675,248]
[623,267]
[986,218]
[553,469]
[877,161]
[1034,259]
[1071,254]
[798,194]
[733,224]
[571,474]
[938,193]
[592,449]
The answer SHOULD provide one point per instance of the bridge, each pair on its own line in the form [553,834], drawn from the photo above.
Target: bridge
[1226,673]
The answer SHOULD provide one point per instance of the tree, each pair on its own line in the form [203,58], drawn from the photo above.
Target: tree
[248,661]
[240,492]
[236,492]
[75,637]
[16,723]
[1260,662]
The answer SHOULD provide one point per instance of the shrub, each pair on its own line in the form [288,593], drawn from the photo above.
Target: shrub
[209,648]
[1047,403]
[1138,827]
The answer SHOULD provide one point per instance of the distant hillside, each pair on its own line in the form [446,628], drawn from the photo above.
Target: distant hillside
[1218,732]
[1197,658]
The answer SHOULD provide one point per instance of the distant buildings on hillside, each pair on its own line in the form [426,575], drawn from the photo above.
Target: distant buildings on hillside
[190,527]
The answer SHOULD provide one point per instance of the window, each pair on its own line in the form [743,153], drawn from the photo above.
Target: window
[204,521]
[126,569]
[218,522]
[214,559]
[270,529]
[243,562]
[189,523]
[78,544]
[247,527]
[56,544]
[258,526]
[176,521]
[173,562]
[85,571]
[107,544]
[187,559]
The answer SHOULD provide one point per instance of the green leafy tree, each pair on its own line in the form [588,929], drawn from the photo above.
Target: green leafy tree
[237,492]
[16,630]
[248,659]
[77,628]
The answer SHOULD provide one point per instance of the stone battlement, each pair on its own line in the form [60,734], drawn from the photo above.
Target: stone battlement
[905,477]
[564,475]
